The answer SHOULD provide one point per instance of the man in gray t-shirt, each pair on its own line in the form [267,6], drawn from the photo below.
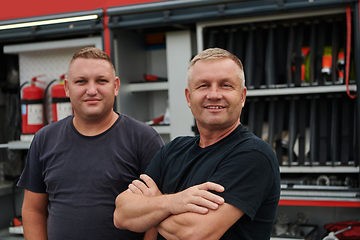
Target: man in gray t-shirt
[76,167]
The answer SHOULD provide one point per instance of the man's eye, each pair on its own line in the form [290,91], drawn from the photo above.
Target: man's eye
[79,81]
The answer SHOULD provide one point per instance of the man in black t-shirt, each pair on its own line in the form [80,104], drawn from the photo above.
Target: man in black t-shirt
[222,184]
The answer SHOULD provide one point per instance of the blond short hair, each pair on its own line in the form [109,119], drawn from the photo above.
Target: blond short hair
[216,54]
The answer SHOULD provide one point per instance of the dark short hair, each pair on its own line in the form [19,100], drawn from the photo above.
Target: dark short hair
[92,53]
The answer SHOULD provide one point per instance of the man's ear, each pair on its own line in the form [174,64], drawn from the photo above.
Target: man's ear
[243,96]
[66,87]
[187,96]
[117,85]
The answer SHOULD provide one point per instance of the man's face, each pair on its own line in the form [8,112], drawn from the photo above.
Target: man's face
[91,86]
[215,95]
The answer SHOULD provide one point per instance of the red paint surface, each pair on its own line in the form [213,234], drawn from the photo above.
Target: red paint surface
[23,9]
[319,203]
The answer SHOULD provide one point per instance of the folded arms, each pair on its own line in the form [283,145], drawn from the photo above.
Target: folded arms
[194,213]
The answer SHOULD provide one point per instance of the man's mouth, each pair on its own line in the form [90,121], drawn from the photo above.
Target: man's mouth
[91,100]
[214,107]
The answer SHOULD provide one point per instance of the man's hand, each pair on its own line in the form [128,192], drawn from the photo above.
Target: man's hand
[197,199]
[149,188]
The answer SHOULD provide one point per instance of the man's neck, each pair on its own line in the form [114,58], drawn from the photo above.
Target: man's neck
[93,127]
[210,136]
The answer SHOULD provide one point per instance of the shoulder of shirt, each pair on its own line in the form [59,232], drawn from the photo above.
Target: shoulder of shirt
[55,125]
[124,117]
[51,131]
[181,140]
[247,138]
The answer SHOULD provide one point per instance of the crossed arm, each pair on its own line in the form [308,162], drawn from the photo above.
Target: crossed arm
[192,213]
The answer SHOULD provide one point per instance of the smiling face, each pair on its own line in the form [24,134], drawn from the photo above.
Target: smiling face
[91,86]
[215,94]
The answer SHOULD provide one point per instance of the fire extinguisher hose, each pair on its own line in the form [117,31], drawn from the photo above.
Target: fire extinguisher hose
[44,102]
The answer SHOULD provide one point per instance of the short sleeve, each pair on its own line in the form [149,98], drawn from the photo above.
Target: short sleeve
[247,178]
[154,169]
[150,150]
[32,178]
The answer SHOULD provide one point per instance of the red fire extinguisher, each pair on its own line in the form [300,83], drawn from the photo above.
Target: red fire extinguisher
[32,108]
[61,106]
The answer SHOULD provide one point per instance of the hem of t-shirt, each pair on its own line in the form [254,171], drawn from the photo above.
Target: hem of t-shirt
[240,205]
[27,187]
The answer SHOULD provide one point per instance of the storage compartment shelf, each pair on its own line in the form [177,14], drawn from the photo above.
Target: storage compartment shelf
[162,129]
[143,99]
[151,86]
[16,145]
[299,90]
[319,169]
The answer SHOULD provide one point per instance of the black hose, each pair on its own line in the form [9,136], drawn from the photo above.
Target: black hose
[44,101]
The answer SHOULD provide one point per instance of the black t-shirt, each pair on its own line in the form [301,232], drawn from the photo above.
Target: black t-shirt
[84,174]
[243,163]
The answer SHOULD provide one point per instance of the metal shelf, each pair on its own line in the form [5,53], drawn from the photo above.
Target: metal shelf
[52,45]
[299,90]
[16,145]
[148,86]
[159,86]
[320,169]
[162,129]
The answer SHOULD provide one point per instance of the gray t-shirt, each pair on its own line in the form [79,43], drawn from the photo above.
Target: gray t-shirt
[84,174]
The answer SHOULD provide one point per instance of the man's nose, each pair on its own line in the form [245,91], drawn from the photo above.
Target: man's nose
[91,89]
[214,93]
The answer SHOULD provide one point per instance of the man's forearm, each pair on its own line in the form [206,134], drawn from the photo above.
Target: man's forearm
[143,206]
[210,226]
[140,213]
[151,234]
[174,227]
[34,226]
[183,226]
